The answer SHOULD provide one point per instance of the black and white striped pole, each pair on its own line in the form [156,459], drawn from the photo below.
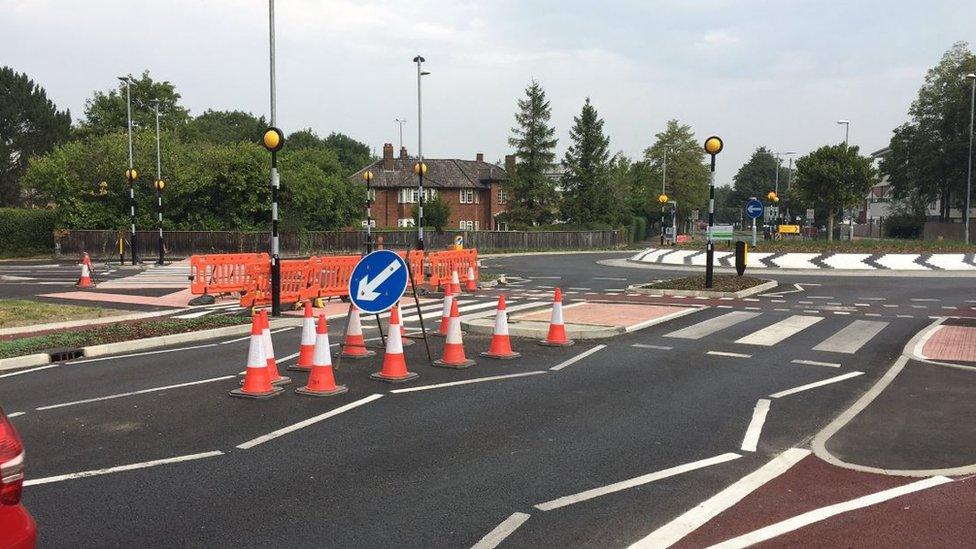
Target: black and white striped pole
[713,146]
[273,140]
[160,185]
[368,178]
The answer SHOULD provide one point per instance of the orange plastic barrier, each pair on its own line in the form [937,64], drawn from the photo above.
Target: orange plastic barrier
[223,273]
[443,263]
[297,282]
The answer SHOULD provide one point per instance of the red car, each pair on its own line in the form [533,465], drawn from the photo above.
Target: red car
[17,528]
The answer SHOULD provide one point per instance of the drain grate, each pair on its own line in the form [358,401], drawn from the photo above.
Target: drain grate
[61,355]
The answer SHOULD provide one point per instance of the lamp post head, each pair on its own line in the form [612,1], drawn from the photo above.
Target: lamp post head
[368,176]
[419,59]
[420,167]
[663,199]
[844,122]
[160,185]
[971,76]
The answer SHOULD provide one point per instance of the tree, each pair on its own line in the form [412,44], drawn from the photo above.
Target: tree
[836,176]
[756,178]
[587,170]
[533,192]
[687,173]
[226,127]
[928,156]
[353,154]
[30,124]
[107,112]
[437,213]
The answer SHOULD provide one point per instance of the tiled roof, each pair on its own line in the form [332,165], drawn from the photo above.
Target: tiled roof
[446,173]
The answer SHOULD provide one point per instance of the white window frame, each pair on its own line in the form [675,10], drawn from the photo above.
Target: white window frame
[464,197]
[502,196]
[405,223]
[466,225]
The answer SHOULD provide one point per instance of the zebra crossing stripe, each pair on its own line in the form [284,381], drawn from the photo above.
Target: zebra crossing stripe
[712,325]
[852,337]
[771,335]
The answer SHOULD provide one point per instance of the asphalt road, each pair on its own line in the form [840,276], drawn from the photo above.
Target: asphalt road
[445,466]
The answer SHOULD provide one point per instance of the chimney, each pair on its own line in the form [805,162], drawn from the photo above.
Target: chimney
[480,157]
[388,156]
[403,154]
[510,165]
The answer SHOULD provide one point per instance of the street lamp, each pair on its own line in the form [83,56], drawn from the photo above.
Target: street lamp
[969,169]
[713,146]
[847,129]
[273,140]
[131,174]
[159,184]
[420,168]
[663,199]
[400,124]
[778,162]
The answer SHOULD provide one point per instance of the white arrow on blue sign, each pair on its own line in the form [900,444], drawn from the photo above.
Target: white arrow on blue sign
[754,209]
[378,281]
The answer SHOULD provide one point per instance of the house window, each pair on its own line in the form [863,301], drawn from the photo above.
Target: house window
[430,194]
[467,225]
[405,222]
[502,196]
[467,196]
[408,196]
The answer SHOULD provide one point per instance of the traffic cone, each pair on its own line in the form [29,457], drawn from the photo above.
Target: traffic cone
[85,280]
[472,283]
[269,354]
[446,312]
[257,381]
[501,345]
[307,347]
[453,346]
[455,283]
[321,383]
[557,330]
[394,366]
[355,346]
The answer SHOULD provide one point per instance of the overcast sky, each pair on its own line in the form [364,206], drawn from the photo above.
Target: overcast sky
[756,73]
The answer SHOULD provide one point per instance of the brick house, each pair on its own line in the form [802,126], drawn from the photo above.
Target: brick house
[475,190]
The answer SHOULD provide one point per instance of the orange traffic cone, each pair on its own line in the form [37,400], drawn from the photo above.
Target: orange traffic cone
[446,312]
[453,346]
[85,280]
[257,381]
[557,330]
[472,282]
[455,283]
[394,366]
[307,347]
[321,383]
[501,345]
[269,354]
[355,346]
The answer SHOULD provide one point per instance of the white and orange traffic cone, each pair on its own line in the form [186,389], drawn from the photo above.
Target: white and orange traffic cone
[321,382]
[269,354]
[257,380]
[394,365]
[501,345]
[446,311]
[85,280]
[355,345]
[472,282]
[557,329]
[455,283]
[307,347]
[453,345]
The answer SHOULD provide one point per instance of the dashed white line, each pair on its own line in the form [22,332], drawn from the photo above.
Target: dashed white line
[759,413]
[310,421]
[16,414]
[467,381]
[133,393]
[924,299]
[29,370]
[120,468]
[502,531]
[815,384]
[647,346]
[577,358]
[608,278]
[732,355]
[816,363]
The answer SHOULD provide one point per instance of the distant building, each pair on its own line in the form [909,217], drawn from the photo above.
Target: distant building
[477,191]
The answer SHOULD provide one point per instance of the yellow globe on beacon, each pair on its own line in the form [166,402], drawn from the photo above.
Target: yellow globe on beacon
[663,199]
[418,167]
[713,145]
[367,176]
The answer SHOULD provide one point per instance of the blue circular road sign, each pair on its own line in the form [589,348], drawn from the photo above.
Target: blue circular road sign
[754,209]
[378,281]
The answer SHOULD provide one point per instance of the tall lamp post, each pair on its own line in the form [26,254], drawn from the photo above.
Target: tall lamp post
[713,146]
[160,185]
[420,168]
[400,124]
[778,163]
[847,134]
[273,140]
[969,170]
[130,174]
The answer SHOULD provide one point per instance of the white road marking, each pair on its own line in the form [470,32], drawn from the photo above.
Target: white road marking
[751,439]
[286,358]
[816,363]
[133,393]
[924,299]
[875,315]
[580,289]
[723,306]
[871,298]
[608,278]
[660,319]
[16,414]
[724,353]
[862,304]
[852,337]
[712,325]
[778,310]
[529,305]
[920,306]
[577,358]
[811,311]
[636,481]
[161,351]
[771,335]
[436,308]
[543,277]
[841,313]
[889,306]
[694,518]
[120,468]
[753,308]
[822,297]
[467,381]
[29,370]
[657,347]
[823,513]
[502,531]
[310,421]
[904,316]
[815,384]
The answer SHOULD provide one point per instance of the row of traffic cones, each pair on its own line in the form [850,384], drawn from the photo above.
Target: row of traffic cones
[262,379]
[454,286]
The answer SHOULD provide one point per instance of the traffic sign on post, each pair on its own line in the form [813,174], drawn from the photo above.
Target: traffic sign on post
[754,209]
[378,281]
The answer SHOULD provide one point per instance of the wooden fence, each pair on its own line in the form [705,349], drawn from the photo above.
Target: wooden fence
[104,244]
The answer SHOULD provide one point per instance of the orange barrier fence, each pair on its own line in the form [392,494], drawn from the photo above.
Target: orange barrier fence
[223,273]
[297,282]
[443,263]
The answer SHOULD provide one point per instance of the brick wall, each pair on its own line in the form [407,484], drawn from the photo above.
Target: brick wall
[386,209]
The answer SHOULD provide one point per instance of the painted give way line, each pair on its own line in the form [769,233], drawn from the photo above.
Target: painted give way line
[132,393]
[120,468]
[310,421]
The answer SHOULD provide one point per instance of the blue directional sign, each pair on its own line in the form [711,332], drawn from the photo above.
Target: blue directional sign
[378,281]
[754,209]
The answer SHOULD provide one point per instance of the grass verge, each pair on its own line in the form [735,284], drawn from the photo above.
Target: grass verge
[21,312]
[720,283]
[112,333]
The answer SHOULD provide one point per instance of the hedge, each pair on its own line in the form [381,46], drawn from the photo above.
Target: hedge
[26,232]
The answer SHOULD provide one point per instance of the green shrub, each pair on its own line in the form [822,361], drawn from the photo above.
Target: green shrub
[26,231]
[641,228]
[904,226]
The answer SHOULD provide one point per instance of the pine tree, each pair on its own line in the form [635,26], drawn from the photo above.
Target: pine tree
[587,171]
[533,193]
[30,124]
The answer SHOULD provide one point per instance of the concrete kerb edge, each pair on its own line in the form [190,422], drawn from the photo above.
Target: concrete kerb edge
[759,288]
[819,441]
